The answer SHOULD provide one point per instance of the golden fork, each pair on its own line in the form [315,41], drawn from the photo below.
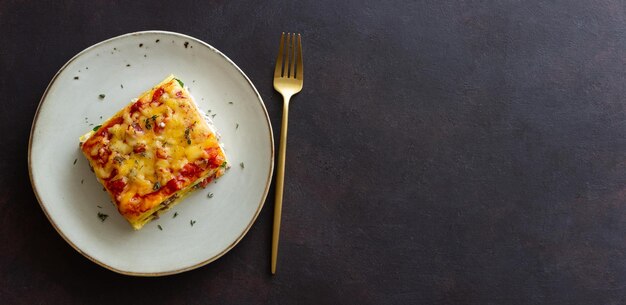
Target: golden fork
[288,81]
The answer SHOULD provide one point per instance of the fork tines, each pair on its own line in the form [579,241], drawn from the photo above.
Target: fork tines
[289,64]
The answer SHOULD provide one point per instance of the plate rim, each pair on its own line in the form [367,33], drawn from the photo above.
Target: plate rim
[179,270]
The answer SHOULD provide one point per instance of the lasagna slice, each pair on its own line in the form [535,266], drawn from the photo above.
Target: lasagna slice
[154,151]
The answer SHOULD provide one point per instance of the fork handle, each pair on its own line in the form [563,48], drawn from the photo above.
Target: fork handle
[280,175]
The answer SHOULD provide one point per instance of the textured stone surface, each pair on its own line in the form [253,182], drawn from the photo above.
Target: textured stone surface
[468,152]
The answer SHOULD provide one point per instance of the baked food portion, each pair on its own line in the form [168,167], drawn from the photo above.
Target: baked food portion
[154,151]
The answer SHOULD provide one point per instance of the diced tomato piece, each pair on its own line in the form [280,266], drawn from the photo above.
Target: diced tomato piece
[116,186]
[157,94]
[173,185]
[136,107]
[215,160]
[139,148]
[161,153]
[190,170]
[179,94]
[158,127]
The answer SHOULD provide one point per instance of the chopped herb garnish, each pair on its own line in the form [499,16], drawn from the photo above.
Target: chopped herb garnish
[121,86]
[241,164]
[101,117]
[75,161]
[237,126]
[154,117]
[210,195]
[175,214]
[157,41]
[75,77]
[97,127]
[192,222]
[160,228]
[213,116]
[180,82]
[102,96]
[223,164]
[187,135]
[128,65]
[102,216]
[186,44]
[119,159]
[157,186]
[141,45]
[148,125]
[230,103]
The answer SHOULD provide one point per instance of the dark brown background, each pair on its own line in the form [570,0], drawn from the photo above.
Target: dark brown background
[459,152]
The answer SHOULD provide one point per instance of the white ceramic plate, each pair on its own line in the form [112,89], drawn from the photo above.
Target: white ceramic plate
[122,68]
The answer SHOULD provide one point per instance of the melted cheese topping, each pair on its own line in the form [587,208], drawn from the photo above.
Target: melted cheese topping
[154,149]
